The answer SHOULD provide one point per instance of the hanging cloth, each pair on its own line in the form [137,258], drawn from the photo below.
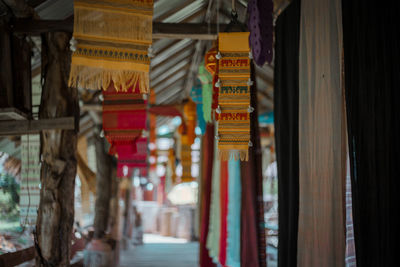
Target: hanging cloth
[261,28]
[110,44]
[197,97]
[207,90]
[233,219]
[286,122]
[322,152]
[208,159]
[215,210]
[371,57]
[234,96]
[252,236]
[124,117]
[224,212]
[211,65]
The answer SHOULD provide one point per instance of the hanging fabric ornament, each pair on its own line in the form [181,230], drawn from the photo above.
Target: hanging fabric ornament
[172,165]
[131,157]
[197,97]
[211,65]
[234,96]
[207,90]
[124,116]
[152,131]
[186,159]
[261,28]
[189,111]
[110,44]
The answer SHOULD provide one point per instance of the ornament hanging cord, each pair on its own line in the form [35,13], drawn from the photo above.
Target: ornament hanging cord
[234,20]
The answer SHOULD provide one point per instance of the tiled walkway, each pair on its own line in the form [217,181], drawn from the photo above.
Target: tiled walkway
[161,251]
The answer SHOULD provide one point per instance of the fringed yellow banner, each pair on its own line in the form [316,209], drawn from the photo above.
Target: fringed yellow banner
[111,39]
[233,112]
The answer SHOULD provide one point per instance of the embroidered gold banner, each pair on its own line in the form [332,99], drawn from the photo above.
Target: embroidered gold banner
[233,112]
[110,44]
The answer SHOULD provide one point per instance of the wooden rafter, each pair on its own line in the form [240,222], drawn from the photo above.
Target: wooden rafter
[35,126]
[198,31]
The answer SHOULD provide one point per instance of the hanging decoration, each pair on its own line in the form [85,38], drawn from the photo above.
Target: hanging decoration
[186,159]
[131,157]
[172,164]
[187,137]
[189,111]
[124,117]
[211,65]
[110,44]
[261,28]
[152,132]
[197,96]
[233,111]
[30,179]
[207,91]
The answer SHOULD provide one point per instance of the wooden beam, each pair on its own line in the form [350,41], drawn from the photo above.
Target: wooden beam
[35,126]
[37,27]
[92,107]
[20,8]
[17,257]
[198,31]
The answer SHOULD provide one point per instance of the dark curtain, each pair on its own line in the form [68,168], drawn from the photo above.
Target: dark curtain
[286,114]
[252,247]
[207,159]
[372,82]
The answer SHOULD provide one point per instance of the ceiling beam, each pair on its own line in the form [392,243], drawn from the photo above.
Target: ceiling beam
[197,31]
[20,8]
[35,126]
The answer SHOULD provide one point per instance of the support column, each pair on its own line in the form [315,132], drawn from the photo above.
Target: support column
[56,210]
[103,188]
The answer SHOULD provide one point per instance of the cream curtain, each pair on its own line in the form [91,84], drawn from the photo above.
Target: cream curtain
[321,234]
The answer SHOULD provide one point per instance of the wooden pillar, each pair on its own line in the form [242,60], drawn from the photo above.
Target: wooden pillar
[100,251]
[114,220]
[6,81]
[105,164]
[58,151]
[127,226]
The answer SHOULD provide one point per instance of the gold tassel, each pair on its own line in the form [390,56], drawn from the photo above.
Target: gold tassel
[225,155]
[97,78]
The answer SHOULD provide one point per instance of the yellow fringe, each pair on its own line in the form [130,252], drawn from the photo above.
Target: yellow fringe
[97,78]
[225,155]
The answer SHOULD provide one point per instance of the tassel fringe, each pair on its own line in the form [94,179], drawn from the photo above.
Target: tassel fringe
[225,155]
[97,78]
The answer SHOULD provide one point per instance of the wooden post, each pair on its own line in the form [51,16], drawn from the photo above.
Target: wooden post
[103,188]
[99,252]
[6,81]
[58,151]
[114,220]
[127,214]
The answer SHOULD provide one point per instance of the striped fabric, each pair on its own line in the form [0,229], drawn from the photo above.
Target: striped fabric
[234,96]
[110,44]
